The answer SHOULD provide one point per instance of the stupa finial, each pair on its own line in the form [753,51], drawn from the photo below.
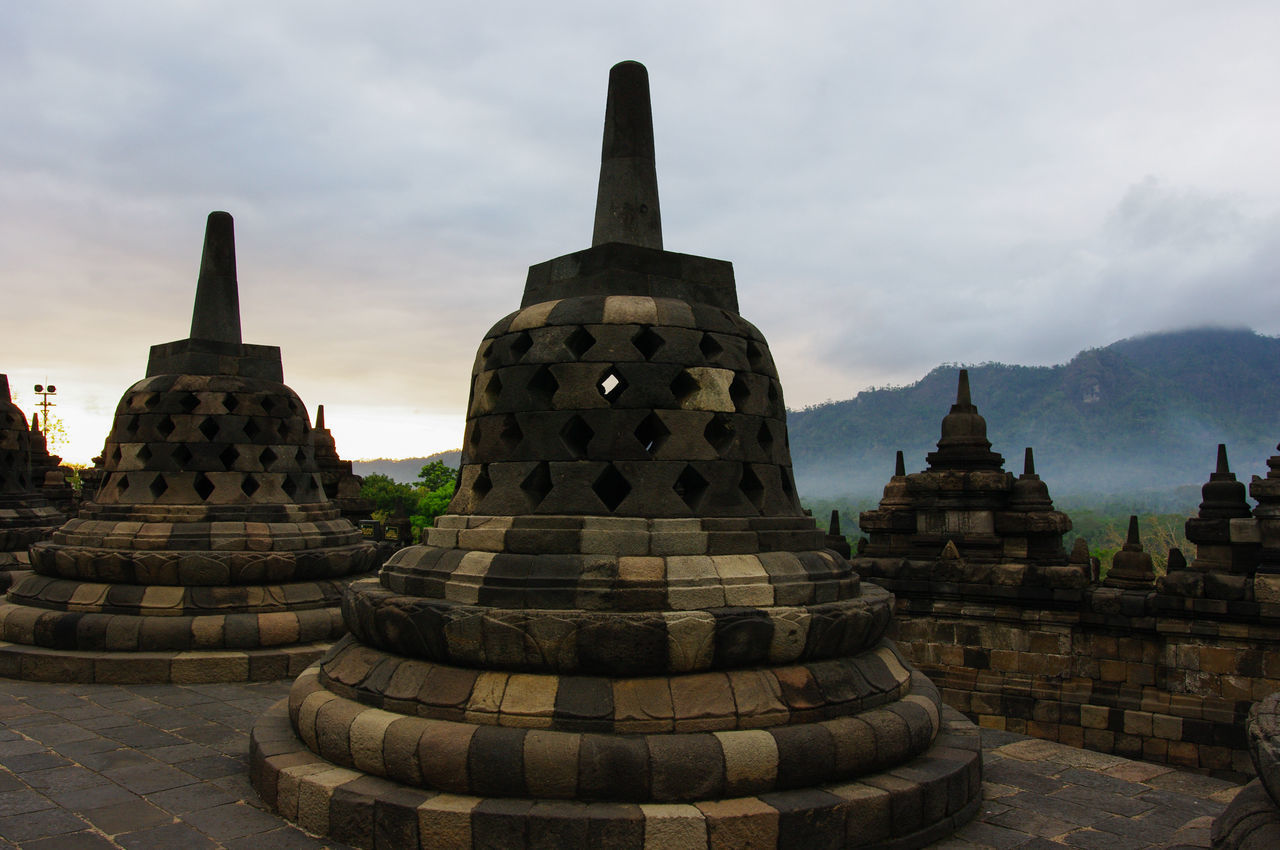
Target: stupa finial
[962,390]
[217,311]
[834,526]
[627,199]
[4,388]
[1223,468]
[899,465]
[1028,463]
[35,421]
[1132,540]
[320,417]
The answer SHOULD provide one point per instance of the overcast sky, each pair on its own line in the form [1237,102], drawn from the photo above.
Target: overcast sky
[897,184]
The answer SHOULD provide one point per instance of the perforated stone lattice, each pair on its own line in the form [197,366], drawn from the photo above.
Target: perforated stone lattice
[219,440]
[567,397]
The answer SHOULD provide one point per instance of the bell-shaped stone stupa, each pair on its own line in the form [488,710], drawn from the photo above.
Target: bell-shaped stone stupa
[25,514]
[626,633]
[209,551]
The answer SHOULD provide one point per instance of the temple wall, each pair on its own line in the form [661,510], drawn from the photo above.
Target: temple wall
[1113,671]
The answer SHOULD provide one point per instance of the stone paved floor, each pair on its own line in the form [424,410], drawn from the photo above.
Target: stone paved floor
[148,767]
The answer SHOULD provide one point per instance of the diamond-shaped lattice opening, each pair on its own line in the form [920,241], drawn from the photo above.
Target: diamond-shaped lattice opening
[510,435]
[709,347]
[611,385]
[144,453]
[249,485]
[123,483]
[229,456]
[739,392]
[492,391]
[182,454]
[209,427]
[579,342]
[752,487]
[189,402]
[684,386]
[158,486]
[293,406]
[576,436]
[483,483]
[268,457]
[300,456]
[166,427]
[652,432]
[647,342]
[230,402]
[203,487]
[611,487]
[131,427]
[537,484]
[520,345]
[251,428]
[543,385]
[289,486]
[788,486]
[765,437]
[719,432]
[755,355]
[487,354]
[151,400]
[116,455]
[268,403]
[690,487]
[775,398]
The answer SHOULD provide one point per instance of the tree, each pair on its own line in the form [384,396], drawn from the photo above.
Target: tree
[435,475]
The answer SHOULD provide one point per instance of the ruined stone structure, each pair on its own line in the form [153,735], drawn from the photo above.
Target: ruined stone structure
[626,633]
[1025,639]
[209,551]
[341,485]
[25,515]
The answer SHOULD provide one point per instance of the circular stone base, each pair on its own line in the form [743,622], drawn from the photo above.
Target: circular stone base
[18,661]
[915,804]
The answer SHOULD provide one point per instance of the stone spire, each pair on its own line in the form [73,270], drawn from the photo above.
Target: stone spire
[1223,496]
[627,199]
[320,416]
[1131,567]
[964,443]
[25,514]
[1029,492]
[216,315]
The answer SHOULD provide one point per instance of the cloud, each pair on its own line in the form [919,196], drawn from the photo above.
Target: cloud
[896,185]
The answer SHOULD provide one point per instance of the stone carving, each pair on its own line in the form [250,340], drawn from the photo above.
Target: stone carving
[626,632]
[209,550]
[25,514]
[1252,819]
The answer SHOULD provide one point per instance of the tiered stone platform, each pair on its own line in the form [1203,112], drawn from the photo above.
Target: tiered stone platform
[209,551]
[626,632]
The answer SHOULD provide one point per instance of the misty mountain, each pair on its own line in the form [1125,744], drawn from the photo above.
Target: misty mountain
[1141,414]
[404,470]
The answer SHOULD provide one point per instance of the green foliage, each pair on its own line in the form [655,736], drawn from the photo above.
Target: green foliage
[422,502]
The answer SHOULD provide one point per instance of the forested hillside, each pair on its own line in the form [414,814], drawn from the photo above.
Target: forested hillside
[1140,414]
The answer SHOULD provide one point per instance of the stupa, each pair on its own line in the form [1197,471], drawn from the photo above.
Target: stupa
[209,551]
[47,472]
[965,519]
[626,632]
[1227,541]
[25,515]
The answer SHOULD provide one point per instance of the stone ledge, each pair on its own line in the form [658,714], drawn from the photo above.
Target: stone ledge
[130,668]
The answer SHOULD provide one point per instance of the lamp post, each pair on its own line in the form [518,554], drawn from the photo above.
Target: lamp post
[44,404]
